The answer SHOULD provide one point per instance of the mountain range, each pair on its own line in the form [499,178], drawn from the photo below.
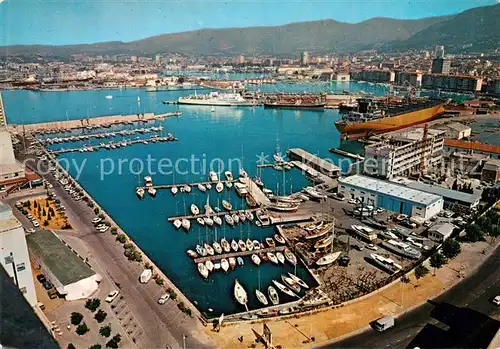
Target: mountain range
[472,30]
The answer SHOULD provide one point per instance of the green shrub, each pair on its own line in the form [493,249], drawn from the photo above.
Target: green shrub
[100,315]
[82,329]
[93,304]
[105,331]
[76,318]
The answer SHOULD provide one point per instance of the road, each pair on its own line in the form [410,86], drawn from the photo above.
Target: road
[163,324]
[474,292]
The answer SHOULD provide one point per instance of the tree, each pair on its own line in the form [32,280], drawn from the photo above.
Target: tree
[34,206]
[95,346]
[113,342]
[82,329]
[122,238]
[105,331]
[451,248]
[96,210]
[421,271]
[76,318]
[437,260]
[100,315]
[114,230]
[92,304]
[70,346]
[160,281]
[45,223]
[474,233]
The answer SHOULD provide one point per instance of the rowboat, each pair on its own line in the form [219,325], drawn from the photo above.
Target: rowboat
[279,238]
[239,293]
[210,249]
[280,257]
[249,244]
[256,245]
[255,259]
[202,188]
[219,187]
[270,242]
[290,256]
[209,265]
[235,218]
[224,264]
[234,245]
[187,188]
[273,295]
[229,219]
[242,245]
[272,257]
[290,283]
[177,223]
[328,259]
[192,254]
[225,245]
[284,289]
[298,280]
[200,221]
[232,262]
[194,209]
[227,205]
[217,247]
[202,269]
[261,297]
[217,220]
[208,186]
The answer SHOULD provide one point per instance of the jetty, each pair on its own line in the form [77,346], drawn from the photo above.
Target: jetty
[220,214]
[314,162]
[217,257]
[346,154]
[180,185]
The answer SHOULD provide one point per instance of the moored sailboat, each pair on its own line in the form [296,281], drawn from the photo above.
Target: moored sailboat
[240,294]
[284,289]
[261,297]
[273,295]
[202,269]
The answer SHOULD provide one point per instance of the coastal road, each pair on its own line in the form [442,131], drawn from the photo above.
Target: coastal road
[473,292]
[164,325]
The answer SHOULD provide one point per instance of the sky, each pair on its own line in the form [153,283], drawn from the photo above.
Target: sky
[63,22]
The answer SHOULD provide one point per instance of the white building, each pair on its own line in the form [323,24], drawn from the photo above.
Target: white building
[401,154]
[390,196]
[11,171]
[441,232]
[14,254]
[456,130]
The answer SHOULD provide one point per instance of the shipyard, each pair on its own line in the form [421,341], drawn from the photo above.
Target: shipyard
[289,185]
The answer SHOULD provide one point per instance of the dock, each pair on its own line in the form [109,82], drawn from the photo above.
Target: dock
[180,185]
[257,194]
[314,162]
[217,257]
[221,213]
[292,218]
[346,154]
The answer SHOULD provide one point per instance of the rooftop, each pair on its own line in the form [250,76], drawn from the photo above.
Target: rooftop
[445,192]
[390,188]
[62,262]
[7,219]
[487,148]
[457,126]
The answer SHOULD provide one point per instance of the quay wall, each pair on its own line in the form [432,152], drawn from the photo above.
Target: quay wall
[69,124]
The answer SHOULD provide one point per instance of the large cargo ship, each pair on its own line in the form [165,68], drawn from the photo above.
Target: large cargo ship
[217,99]
[369,117]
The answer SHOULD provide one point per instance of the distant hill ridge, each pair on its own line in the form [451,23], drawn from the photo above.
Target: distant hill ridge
[474,29]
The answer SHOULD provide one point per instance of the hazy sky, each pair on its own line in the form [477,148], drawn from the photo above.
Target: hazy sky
[60,22]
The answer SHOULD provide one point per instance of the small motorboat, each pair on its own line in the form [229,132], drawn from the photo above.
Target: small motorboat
[234,245]
[255,259]
[140,193]
[242,216]
[208,186]
[298,280]
[224,264]
[209,265]
[217,220]
[261,297]
[227,206]
[280,257]
[240,294]
[249,244]
[202,269]
[258,181]
[186,224]
[235,218]
[229,184]
[270,242]
[242,245]
[177,223]
[284,289]
[202,188]
[213,177]
[217,247]
[200,221]
[217,266]
[290,257]
[249,216]
[201,251]
[232,262]
[263,257]
[209,249]
[187,188]
[219,187]
[174,190]
[195,210]
[256,245]
[192,254]
[229,219]
[272,257]
[225,245]
[273,295]
[240,261]
[152,191]
[208,221]
[279,238]
[228,175]
[290,283]
[243,173]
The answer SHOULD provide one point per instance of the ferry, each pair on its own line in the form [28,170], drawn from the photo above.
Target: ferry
[217,99]
[369,117]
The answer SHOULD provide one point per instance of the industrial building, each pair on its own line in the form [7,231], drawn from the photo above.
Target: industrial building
[69,274]
[391,196]
[14,254]
[404,152]
[491,171]
[456,130]
[458,83]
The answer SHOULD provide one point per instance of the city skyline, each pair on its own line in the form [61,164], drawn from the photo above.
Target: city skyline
[76,22]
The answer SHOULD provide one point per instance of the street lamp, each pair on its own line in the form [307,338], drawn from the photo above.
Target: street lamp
[184,341]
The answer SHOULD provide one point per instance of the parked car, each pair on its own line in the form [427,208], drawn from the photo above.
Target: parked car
[163,299]
[112,295]
[47,285]
[372,247]
[496,300]
[52,294]
[36,224]
[30,230]
[41,278]
[359,247]
[383,323]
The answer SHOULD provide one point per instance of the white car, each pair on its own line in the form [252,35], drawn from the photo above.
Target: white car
[96,220]
[30,230]
[163,299]
[103,230]
[352,201]
[496,300]
[35,224]
[112,295]
[372,247]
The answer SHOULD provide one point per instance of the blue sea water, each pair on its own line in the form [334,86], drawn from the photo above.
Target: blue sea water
[232,135]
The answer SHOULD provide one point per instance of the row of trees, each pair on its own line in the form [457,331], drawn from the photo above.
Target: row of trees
[488,224]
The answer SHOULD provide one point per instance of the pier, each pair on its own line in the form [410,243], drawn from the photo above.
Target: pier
[217,257]
[313,161]
[346,154]
[220,214]
[257,194]
[169,186]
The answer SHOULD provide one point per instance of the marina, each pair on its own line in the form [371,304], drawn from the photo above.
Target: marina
[238,254]
[215,214]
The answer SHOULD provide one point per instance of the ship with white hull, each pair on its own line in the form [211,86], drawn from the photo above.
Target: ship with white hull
[217,99]
[402,249]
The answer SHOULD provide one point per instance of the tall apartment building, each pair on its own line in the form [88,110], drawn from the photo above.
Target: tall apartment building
[459,83]
[304,58]
[439,51]
[413,78]
[401,154]
[14,254]
[440,66]
[384,76]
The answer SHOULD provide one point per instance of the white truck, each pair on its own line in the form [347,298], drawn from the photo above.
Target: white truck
[146,276]
[383,323]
